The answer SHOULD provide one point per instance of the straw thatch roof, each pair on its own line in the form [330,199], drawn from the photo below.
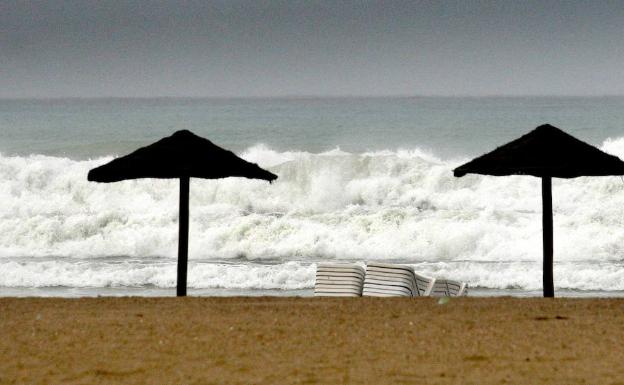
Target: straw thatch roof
[544,152]
[182,154]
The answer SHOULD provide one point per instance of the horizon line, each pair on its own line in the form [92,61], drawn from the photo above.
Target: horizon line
[310,96]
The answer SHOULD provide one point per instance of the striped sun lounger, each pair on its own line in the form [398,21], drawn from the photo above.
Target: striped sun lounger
[391,280]
[339,280]
[449,288]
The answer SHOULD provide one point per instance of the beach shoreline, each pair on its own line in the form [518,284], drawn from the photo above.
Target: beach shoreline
[269,340]
[151,292]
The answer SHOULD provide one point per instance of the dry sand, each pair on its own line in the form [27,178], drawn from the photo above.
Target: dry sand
[311,341]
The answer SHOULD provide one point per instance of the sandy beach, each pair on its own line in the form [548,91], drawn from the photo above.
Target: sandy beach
[310,341]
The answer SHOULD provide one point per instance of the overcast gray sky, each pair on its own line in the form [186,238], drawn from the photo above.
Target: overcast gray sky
[277,48]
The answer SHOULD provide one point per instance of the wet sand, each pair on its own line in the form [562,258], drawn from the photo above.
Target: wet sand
[311,341]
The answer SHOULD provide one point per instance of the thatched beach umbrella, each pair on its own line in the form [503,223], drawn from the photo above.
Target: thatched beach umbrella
[182,155]
[546,152]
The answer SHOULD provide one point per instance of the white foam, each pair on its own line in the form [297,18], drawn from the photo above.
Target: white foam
[388,205]
[130,272]
[133,273]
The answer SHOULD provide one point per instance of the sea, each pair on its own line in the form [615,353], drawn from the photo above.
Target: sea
[359,179]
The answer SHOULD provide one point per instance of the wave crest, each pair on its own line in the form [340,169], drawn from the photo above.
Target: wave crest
[389,205]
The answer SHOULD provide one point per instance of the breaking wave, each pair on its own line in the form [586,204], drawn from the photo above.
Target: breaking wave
[57,229]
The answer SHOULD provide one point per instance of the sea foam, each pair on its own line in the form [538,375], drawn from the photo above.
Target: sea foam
[58,229]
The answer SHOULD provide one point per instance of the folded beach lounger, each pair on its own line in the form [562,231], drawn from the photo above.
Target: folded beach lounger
[424,285]
[449,288]
[339,280]
[390,280]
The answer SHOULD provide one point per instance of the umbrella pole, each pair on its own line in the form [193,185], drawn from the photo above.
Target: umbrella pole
[183,236]
[547,224]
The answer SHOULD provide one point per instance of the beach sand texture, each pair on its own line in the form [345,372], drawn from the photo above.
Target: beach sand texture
[311,341]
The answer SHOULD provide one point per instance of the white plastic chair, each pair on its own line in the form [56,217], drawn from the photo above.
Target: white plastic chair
[338,280]
[392,280]
[449,288]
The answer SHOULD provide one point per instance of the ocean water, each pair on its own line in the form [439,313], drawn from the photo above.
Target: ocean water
[360,179]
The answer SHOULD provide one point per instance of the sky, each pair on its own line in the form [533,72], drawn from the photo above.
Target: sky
[88,48]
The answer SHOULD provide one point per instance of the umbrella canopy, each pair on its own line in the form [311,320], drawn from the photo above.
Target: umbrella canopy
[546,152]
[182,155]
